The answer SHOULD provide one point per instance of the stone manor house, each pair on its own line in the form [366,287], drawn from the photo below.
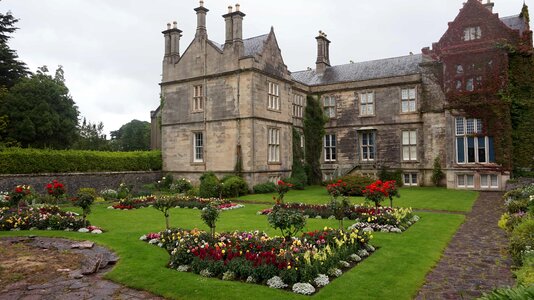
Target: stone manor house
[238,102]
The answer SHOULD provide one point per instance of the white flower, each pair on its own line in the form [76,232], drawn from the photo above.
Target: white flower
[251,279]
[321,280]
[355,258]
[153,241]
[344,264]
[228,275]
[276,283]
[183,268]
[143,238]
[110,207]
[206,273]
[96,231]
[303,288]
[318,217]
[335,272]
[83,230]
[370,248]
[363,253]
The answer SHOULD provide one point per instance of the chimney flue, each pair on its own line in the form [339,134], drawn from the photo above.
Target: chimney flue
[172,42]
[201,20]
[323,53]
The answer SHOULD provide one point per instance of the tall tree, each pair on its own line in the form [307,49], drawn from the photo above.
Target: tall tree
[91,137]
[132,136]
[41,112]
[314,121]
[11,69]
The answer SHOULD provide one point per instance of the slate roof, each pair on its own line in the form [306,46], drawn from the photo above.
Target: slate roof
[253,45]
[383,68]
[515,22]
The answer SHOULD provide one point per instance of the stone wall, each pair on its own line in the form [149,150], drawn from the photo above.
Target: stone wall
[74,181]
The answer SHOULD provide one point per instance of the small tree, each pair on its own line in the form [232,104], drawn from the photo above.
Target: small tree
[56,189]
[210,215]
[164,204]
[288,222]
[84,200]
[282,188]
[377,191]
[437,174]
[339,207]
[20,193]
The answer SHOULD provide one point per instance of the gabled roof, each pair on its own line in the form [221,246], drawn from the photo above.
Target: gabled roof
[253,45]
[382,68]
[515,22]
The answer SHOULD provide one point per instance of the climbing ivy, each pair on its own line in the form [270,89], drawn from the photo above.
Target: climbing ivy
[314,122]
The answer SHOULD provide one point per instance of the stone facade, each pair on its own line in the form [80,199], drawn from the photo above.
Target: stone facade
[233,106]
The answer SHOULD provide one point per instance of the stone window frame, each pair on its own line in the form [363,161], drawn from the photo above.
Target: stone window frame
[273,145]
[409,100]
[330,148]
[489,181]
[462,181]
[408,179]
[298,106]
[198,156]
[472,33]
[410,146]
[198,98]
[367,104]
[367,146]
[273,96]
[330,106]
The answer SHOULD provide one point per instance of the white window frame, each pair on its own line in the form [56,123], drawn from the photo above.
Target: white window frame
[472,33]
[273,142]
[489,182]
[464,178]
[409,145]
[198,147]
[329,106]
[409,100]
[273,102]
[466,129]
[368,146]
[366,104]
[330,144]
[298,106]
[198,98]
[413,179]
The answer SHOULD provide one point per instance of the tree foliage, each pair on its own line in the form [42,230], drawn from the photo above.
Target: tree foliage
[133,136]
[41,112]
[11,69]
[314,122]
[91,137]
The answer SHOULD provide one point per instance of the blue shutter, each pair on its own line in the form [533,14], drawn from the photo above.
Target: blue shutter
[491,150]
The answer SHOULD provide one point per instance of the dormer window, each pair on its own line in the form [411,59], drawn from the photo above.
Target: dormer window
[472,33]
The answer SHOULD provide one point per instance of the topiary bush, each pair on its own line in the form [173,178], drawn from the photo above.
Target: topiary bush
[264,188]
[234,186]
[210,186]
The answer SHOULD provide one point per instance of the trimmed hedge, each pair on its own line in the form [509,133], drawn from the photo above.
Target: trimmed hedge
[34,161]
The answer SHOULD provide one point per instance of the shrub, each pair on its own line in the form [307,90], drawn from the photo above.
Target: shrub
[265,188]
[525,274]
[522,237]
[234,186]
[520,205]
[386,175]
[210,186]
[165,182]
[181,186]
[210,215]
[289,222]
[123,191]
[109,194]
[437,174]
[85,199]
[355,184]
[519,293]
[193,193]
[298,183]
[31,161]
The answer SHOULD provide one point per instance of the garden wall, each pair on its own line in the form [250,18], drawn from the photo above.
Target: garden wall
[74,181]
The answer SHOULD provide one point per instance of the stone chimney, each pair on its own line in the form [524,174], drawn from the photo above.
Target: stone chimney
[234,29]
[172,42]
[201,20]
[489,5]
[323,53]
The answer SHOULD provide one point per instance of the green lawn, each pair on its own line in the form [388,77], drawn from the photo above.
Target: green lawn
[396,271]
[427,198]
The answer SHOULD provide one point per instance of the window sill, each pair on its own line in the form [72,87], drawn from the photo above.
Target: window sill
[274,163]
[409,113]
[197,111]
[198,163]
[274,110]
[366,116]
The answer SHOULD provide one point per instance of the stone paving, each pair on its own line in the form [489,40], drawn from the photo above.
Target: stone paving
[475,260]
[84,283]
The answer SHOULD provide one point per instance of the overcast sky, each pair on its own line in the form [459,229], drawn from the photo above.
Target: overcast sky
[111,50]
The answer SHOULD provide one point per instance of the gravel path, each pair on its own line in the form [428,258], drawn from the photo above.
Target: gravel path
[475,260]
[83,282]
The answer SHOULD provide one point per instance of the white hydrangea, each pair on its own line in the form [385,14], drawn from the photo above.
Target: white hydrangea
[355,258]
[96,231]
[153,241]
[363,253]
[331,218]
[228,275]
[143,238]
[83,230]
[251,279]
[318,217]
[417,218]
[344,264]
[321,280]
[183,268]
[370,248]
[206,273]
[395,230]
[303,288]
[384,230]
[335,272]
[276,283]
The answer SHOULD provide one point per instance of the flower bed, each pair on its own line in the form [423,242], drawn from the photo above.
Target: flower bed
[181,202]
[367,217]
[300,264]
[42,218]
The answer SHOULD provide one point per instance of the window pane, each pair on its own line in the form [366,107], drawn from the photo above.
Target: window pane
[460,150]
[491,151]
[479,126]
[412,93]
[461,180]
[407,179]
[459,126]
[371,152]
[470,126]
[470,180]
[494,181]
[405,137]
[371,139]
[404,94]
[405,106]
[412,105]
[406,153]
[413,137]
[482,149]
[414,179]
[484,181]
[471,150]
[333,140]
[413,153]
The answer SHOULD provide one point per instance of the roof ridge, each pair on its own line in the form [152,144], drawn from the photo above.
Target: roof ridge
[509,17]
[254,37]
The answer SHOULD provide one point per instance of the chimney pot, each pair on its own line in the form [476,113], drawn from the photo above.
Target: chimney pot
[230,9]
[175,25]
[237,7]
[201,3]
[168,25]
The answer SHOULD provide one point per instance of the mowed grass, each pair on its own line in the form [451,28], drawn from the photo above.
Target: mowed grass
[427,198]
[396,271]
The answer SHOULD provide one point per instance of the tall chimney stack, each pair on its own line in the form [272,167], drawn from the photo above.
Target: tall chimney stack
[229,26]
[234,30]
[489,5]
[323,53]
[201,20]
[172,42]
